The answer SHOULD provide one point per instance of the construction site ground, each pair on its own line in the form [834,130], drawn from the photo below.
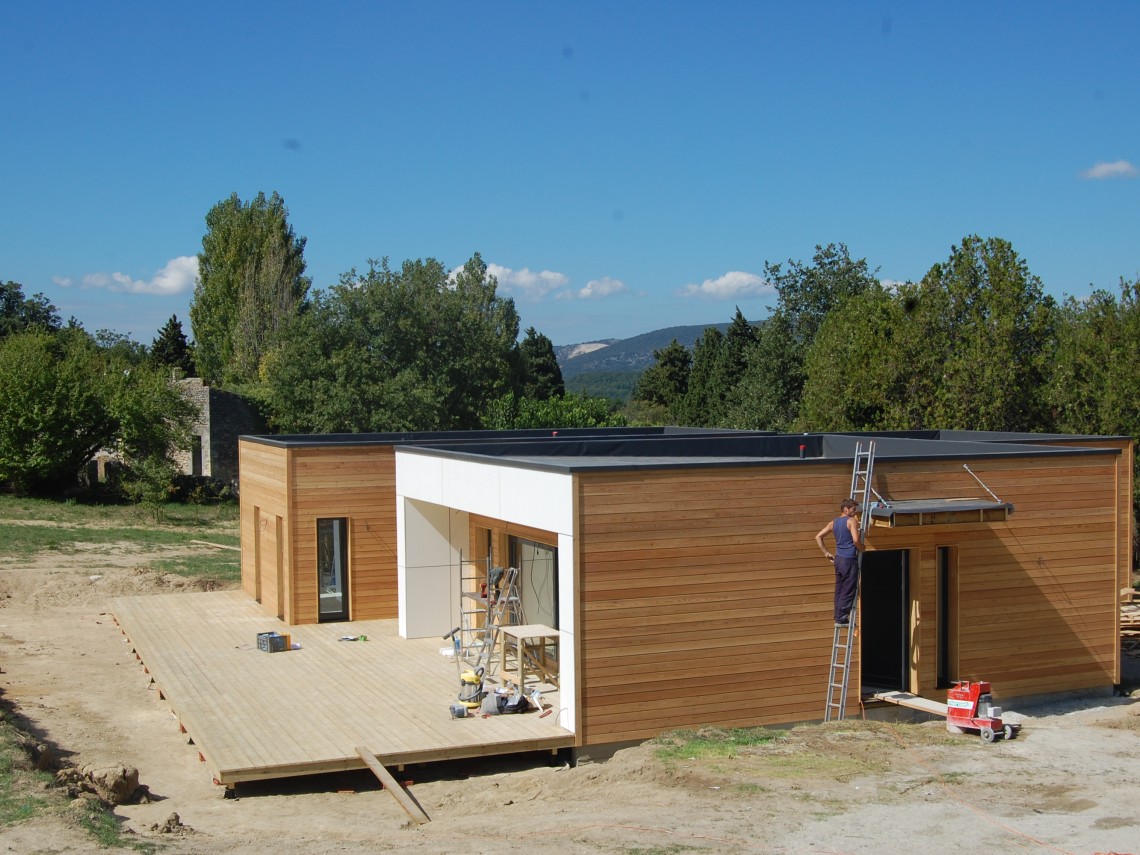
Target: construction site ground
[1070,783]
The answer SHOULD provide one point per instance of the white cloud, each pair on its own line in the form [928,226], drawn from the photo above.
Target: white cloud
[599,289]
[1116,169]
[891,285]
[527,283]
[177,277]
[731,286]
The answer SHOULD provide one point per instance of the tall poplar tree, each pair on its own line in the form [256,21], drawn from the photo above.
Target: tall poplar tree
[251,284]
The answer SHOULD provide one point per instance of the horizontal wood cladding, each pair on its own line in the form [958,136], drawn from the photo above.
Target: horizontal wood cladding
[693,576]
[1035,609]
[262,489]
[704,600]
[357,484]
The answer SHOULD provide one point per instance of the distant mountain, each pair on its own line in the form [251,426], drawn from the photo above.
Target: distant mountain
[626,354]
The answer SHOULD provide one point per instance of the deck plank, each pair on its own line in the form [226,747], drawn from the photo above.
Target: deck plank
[254,715]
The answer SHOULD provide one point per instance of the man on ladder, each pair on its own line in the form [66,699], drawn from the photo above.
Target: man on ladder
[848,545]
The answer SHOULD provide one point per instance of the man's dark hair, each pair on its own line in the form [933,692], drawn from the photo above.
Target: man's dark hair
[848,503]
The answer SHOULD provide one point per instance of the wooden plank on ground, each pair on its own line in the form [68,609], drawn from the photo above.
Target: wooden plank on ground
[914,702]
[393,786]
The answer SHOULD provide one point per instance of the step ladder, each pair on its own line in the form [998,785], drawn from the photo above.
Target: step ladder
[844,639]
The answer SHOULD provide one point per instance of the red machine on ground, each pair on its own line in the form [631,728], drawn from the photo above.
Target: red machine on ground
[970,707]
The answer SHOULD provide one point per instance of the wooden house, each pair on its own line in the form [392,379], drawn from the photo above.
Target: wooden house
[679,569]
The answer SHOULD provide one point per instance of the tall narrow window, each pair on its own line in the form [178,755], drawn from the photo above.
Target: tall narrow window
[947,616]
[332,568]
[196,456]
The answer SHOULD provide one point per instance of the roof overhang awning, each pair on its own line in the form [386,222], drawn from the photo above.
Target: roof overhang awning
[916,512]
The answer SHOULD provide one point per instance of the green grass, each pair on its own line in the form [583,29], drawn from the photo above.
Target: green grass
[213,565]
[21,786]
[711,742]
[98,820]
[78,513]
[27,792]
[29,527]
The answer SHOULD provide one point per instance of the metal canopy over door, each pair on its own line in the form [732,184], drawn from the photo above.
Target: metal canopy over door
[885,602]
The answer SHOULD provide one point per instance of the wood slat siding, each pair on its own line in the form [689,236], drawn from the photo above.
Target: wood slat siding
[704,600]
[264,497]
[360,485]
[699,603]
[1035,613]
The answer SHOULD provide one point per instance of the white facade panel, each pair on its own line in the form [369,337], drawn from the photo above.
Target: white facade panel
[434,497]
[423,475]
[427,567]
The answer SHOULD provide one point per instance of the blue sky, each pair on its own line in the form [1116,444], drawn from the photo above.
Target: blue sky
[622,166]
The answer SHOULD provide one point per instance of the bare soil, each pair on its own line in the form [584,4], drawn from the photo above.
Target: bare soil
[1070,783]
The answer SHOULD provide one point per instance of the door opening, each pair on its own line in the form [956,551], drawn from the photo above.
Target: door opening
[332,569]
[538,579]
[884,606]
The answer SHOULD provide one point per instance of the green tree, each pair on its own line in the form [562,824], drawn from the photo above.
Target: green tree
[662,386]
[969,347]
[251,284]
[65,397]
[769,392]
[1097,366]
[541,374]
[719,364]
[170,349]
[857,376]
[988,333]
[19,313]
[558,411]
[389,350]
[703,395]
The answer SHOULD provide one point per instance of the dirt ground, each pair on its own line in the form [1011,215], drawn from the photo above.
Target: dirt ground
[1070,783]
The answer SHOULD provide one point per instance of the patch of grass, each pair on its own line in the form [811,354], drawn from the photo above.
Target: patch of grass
[32,526]
[22,787]
[27,792]
[98,820]
[712,742]
[21,540]
[213,565]
[78,513]
[747,788]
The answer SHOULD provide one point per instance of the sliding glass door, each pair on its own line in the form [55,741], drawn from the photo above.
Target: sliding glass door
[538,580]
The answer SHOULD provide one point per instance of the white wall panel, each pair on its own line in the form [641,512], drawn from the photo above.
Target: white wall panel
[427,566]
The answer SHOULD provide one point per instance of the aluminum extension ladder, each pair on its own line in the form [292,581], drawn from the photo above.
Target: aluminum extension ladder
[840,672]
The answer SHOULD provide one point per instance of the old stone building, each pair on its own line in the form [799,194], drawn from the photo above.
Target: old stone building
[222,418]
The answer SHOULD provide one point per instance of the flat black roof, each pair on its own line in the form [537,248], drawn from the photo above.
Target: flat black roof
[596,449]
[320,440]
[617,453]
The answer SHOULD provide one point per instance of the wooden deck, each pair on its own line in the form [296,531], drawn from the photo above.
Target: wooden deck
[254,715]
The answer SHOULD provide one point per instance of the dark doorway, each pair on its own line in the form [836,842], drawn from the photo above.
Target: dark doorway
[884,600]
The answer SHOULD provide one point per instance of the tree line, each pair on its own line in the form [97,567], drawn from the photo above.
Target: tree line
[67,394]
[413,347]
[977,344]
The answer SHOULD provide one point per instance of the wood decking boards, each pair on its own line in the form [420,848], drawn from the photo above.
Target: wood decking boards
[254,715]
